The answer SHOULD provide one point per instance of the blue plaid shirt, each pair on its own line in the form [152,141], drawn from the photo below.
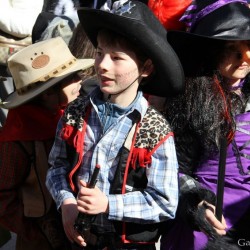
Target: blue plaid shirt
[158,202]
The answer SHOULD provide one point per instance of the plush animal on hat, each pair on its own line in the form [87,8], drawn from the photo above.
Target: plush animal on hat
[169,12]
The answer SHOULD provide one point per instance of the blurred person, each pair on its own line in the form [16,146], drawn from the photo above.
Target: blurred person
[25,13]
[63,8]
[15,34]
[49,25]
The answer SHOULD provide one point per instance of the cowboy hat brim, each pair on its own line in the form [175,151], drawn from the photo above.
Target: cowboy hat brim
[14,99]
[168,79]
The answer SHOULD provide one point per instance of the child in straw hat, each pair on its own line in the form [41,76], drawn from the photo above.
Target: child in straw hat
[46,80]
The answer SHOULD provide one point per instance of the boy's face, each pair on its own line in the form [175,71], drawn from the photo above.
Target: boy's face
[116,68]
[70,89]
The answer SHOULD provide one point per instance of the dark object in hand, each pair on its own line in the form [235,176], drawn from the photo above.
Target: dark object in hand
[83,221]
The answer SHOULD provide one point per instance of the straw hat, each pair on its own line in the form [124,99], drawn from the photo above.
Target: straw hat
[40,66]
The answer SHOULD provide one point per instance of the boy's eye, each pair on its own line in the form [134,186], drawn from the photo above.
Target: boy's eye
[117,58]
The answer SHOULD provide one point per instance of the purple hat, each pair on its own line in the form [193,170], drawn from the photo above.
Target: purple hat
[208,22]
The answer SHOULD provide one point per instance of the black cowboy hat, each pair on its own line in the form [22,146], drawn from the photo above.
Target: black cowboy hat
[135,21]
[211,22]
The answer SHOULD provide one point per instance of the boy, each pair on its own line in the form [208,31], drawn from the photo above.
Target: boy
[115,129]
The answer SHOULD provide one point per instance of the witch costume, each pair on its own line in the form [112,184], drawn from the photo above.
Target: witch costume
[140,184]
[212,22]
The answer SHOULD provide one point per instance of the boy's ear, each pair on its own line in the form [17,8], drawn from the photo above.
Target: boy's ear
[147,68]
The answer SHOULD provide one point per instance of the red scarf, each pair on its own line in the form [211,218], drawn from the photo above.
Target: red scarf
[29,122]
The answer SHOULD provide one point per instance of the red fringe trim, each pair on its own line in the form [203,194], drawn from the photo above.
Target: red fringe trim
[141,156]
[72,136]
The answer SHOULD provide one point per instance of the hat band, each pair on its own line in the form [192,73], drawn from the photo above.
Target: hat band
[191,18]
[46,77]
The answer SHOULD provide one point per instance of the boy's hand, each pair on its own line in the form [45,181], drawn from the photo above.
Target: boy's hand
[91,200]
[69,214]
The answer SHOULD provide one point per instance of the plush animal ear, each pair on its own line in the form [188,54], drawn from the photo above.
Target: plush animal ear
[169,12]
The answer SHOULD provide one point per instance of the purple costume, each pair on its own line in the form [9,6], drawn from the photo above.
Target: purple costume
[236,191]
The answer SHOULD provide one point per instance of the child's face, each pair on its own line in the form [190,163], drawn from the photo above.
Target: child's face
[70,90]
[116,68]
[235,63]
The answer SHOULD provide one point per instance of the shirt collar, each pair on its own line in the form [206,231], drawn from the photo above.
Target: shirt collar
[140,103]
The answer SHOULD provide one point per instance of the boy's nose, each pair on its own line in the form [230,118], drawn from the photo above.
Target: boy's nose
[104,63]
